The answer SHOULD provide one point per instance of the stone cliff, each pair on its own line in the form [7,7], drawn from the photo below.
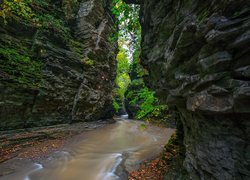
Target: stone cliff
[198,57]
[57,62]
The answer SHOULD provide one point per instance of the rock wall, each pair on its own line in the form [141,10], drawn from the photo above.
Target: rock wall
[77,54]
[198,57]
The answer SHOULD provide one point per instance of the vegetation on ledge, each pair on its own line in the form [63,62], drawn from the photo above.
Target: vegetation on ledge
[21,61]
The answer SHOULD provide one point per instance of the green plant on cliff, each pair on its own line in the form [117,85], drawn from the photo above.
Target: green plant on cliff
[48,21]
[89,62]
[18,8]
[34,13]
[19,65]
[20,68]
[116,105]
[20,60]
[139,94]
[150,105]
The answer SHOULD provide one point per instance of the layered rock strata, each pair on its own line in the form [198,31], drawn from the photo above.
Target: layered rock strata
[198,57]
[78,67]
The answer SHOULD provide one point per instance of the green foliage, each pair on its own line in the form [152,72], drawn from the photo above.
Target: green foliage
[77,48]
[116,105]
[48,21]
[123,65]
[20,68]
[130,37]
[88,62]
[127,16]
[23,11]
[122,77]
[150,104]
[41,3]
[123,68]
[17,62]
[16,8]
[113,38]
[121,10]
[140,94]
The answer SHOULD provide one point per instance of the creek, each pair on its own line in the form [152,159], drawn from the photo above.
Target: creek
[107,153]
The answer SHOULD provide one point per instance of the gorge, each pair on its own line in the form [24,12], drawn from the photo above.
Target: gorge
[58,65]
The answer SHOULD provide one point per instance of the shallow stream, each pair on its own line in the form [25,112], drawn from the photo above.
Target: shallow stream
[102,154]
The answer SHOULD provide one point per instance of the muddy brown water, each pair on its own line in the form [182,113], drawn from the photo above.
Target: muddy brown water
[101,154]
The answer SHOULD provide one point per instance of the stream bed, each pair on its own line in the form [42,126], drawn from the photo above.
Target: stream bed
[107,153]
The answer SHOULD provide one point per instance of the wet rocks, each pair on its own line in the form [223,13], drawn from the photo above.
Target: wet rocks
[197,54]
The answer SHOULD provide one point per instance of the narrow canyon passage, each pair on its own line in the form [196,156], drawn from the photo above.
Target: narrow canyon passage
[101,154]
[68,68]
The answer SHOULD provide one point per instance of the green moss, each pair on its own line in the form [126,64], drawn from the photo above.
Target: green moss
[18,56]
[138,94]
[41,3]
[35,13]
[77,48]
[19,60]
[113,38]
[15,8]
[116,105]
[49,21]
[88,62]
[20,68]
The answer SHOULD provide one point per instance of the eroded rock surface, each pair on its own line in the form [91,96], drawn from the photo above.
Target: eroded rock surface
[78,69]
[198,56]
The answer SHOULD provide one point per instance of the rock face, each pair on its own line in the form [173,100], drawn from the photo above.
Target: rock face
[198,57]
[78,67]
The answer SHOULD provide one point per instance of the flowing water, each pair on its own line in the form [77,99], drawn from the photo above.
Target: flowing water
[101,154]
